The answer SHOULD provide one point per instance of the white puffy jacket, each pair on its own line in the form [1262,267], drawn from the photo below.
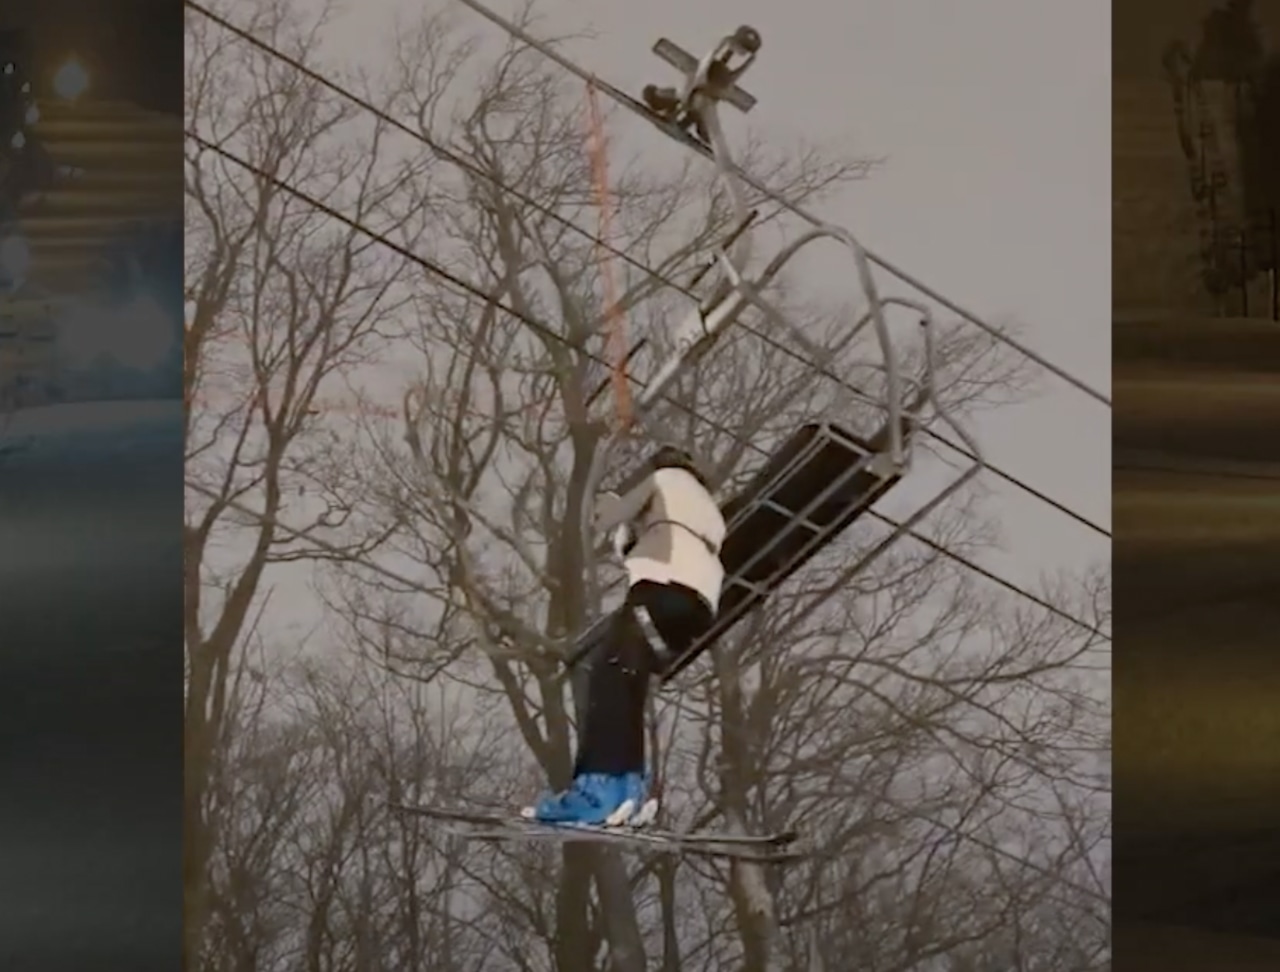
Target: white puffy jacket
[679,532]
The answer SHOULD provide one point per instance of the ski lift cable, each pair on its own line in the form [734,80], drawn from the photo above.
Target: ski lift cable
[821,369]
[630,103]
[546,330]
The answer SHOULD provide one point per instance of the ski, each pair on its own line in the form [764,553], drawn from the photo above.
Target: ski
[503,826]
[654,841]
[499,819]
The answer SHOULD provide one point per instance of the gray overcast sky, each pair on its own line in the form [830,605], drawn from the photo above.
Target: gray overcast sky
[995,120]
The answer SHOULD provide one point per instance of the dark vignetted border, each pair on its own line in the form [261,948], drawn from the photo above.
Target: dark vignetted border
[1196,363]
[90,563]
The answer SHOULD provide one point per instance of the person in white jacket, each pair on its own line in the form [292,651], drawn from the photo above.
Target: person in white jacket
[670,530]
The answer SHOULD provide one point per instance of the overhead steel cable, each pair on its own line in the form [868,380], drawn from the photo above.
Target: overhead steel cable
[467,165]
[549,332]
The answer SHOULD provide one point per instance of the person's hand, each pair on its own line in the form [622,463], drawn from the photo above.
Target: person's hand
[624,538]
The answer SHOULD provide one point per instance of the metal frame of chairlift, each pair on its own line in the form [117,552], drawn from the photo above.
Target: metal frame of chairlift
[870,466]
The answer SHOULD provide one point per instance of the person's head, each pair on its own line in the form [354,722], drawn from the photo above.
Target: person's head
[674,457]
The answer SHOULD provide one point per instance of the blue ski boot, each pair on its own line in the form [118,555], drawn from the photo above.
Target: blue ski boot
[596,799]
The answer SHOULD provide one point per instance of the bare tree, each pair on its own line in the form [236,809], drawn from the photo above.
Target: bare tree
[940,744]
[282,306]
[489,487]
[498,399]
[310,871]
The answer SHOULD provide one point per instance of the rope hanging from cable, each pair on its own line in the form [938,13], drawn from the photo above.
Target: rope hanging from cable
[614,315]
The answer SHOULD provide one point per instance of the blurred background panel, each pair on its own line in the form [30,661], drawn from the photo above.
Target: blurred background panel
[90,210]
[1196,486]
[90,484]
[1140,29]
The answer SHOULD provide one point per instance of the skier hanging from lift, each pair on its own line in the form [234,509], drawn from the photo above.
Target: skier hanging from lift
[669,531]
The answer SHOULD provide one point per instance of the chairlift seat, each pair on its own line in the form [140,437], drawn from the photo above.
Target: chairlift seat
[815,484]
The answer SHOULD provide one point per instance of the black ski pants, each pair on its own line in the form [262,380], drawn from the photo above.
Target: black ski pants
[655,626]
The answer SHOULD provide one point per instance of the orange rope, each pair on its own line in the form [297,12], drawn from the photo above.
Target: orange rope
[615,319]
